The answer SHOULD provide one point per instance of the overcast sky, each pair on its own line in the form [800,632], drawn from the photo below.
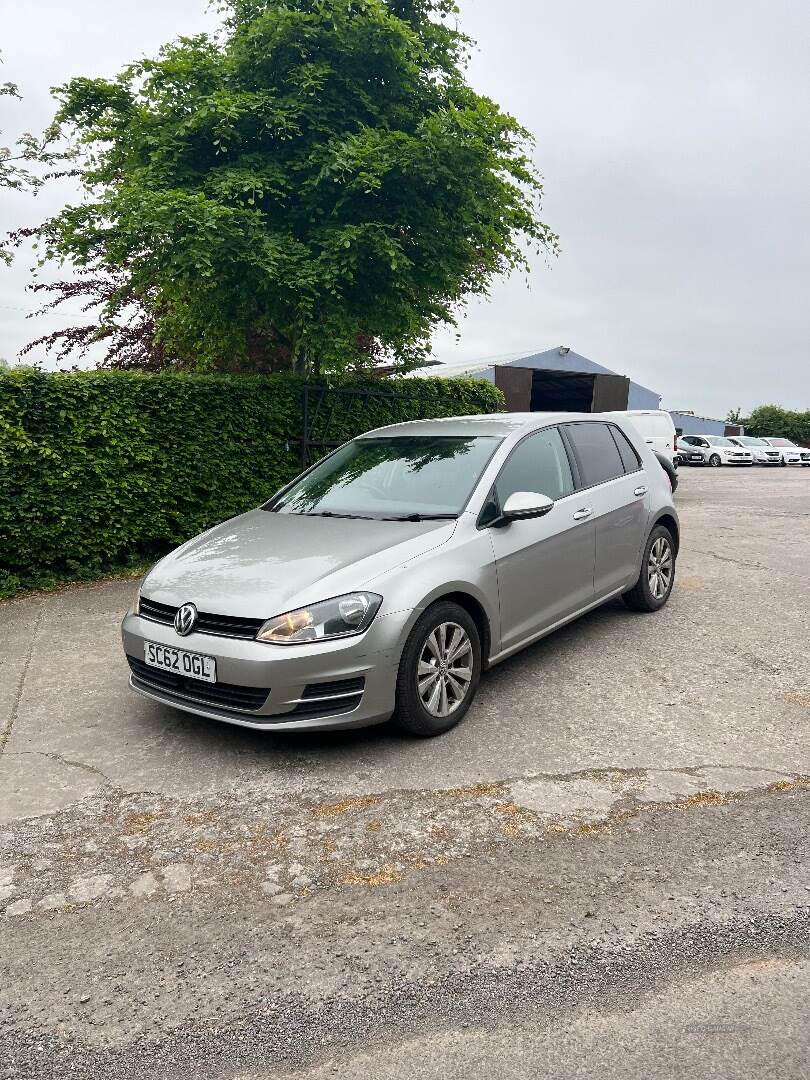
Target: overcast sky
[675,144]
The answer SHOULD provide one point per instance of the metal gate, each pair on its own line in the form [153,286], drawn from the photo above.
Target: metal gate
[318,404]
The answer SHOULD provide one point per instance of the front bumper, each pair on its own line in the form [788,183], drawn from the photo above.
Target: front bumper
[292,673]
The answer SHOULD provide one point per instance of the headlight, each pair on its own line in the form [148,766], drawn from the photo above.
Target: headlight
[136,599]
[339,617]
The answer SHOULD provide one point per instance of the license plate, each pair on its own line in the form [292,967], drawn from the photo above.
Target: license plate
[180,662]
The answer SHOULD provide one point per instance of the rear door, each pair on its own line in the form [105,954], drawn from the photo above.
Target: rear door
[613,487]
[544,565]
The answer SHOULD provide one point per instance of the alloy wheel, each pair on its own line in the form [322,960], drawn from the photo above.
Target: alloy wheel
[660,567]
[445,669]
[714,461]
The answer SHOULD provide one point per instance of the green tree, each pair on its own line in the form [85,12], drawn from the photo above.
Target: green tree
[315,187]
[16,161]
[13,159]
[771,420]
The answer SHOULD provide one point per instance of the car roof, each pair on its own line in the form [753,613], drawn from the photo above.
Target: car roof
[493,424]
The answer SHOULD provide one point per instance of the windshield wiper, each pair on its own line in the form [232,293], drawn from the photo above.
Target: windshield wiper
[332,514]
[422,517]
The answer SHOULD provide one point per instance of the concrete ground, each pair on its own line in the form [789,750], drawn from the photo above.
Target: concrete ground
[602,872]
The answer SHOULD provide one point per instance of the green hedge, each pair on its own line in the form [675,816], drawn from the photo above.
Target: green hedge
[104,470]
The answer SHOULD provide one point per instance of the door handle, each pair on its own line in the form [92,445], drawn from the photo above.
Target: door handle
[640,491]
[585,512]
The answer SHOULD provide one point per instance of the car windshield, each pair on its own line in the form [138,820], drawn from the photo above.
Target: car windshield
[781,442]
[718,440]
[749,440]
[408,477]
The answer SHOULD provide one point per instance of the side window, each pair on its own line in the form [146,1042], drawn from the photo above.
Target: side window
[539,463]
[627,452]
[598,457]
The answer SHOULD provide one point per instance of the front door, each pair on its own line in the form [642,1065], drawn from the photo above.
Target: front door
[544,565]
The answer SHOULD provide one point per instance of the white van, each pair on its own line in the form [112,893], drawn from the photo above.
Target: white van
[656,428]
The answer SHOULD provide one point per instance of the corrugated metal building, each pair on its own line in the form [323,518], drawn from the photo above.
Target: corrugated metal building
[686,423]
[557,379]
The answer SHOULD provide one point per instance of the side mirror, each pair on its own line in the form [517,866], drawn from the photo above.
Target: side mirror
[525,504]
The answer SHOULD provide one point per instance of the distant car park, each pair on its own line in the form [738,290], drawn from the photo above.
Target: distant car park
[712,450]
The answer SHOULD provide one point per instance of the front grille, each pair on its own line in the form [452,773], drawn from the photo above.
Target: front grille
[219,625]
[330,698]
[223,695]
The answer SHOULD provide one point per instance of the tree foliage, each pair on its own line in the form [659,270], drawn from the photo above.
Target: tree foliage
[17,161]
[14,172]
[771,420]
[315,186]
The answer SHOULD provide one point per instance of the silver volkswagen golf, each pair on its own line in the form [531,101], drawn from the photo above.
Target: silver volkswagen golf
[382,582]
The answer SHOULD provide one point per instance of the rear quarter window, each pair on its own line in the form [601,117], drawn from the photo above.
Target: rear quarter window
[630,459]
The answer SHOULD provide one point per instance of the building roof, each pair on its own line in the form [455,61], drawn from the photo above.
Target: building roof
[564,359]
[695,416]
[559,359]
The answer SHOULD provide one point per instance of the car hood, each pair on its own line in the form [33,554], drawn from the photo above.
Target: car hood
[261,564]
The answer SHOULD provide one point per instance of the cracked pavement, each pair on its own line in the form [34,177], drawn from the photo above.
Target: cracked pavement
[604,868]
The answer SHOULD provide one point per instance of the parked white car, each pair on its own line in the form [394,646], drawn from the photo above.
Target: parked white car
[717,450]
[764,453]
[789,452]
[656,428]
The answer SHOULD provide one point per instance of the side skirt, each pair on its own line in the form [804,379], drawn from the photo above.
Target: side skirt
[496,659]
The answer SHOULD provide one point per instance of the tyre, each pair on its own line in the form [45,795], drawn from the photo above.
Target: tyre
[783,463]
[439,671]
[654,585]
[715,461]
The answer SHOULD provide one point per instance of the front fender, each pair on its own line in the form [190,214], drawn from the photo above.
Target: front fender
[435,576]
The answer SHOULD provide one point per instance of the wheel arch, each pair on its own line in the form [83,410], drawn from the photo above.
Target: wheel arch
[473,604]
[476,611]
[671,523]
